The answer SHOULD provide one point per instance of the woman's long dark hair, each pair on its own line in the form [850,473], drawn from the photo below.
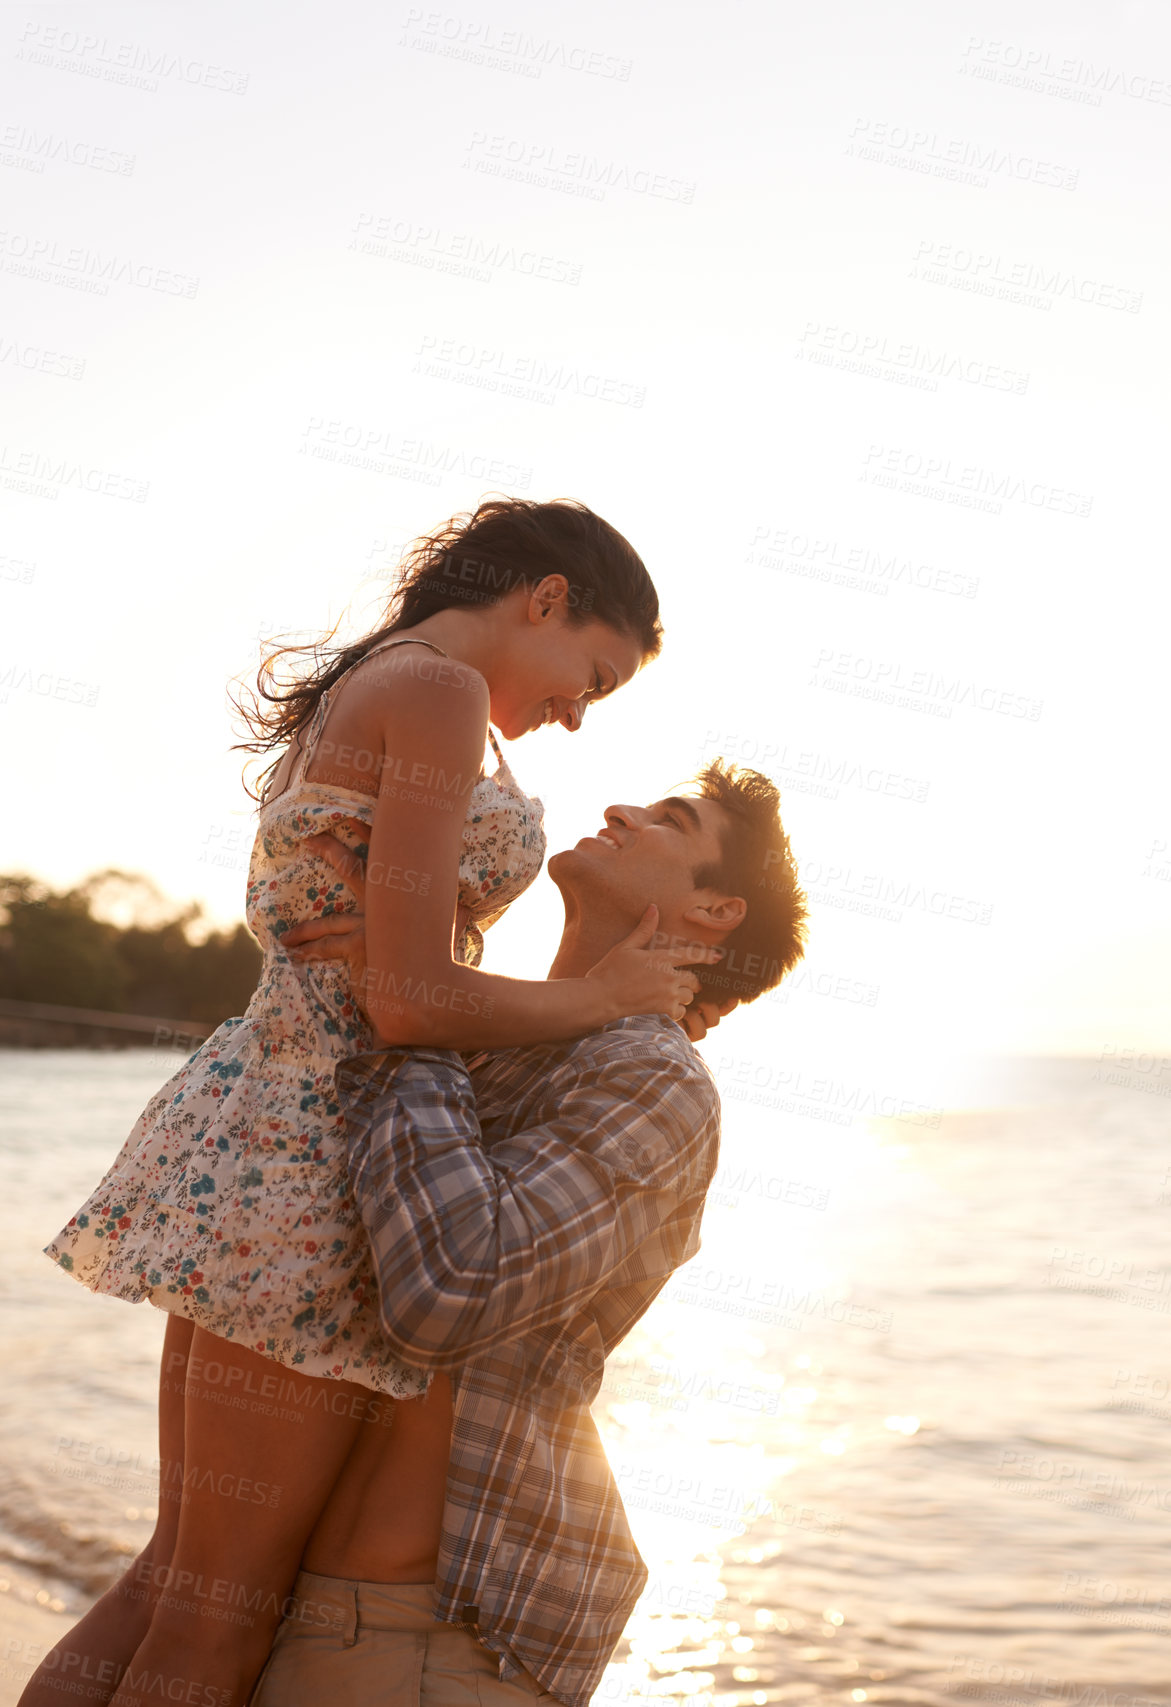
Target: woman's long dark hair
[474,559]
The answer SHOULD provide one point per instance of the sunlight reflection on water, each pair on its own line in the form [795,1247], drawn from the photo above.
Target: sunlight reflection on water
[826,1429]
[707,1410]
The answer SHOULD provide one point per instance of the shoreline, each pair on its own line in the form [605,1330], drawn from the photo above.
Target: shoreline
[47,1025]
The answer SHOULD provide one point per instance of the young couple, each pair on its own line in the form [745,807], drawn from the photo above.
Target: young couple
[402,1209]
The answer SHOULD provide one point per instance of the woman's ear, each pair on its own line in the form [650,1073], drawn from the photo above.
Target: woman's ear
[722,914]
[548,598]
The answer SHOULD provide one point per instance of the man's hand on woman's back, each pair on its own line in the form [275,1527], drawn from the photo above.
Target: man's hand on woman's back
[342,936]
[338,936]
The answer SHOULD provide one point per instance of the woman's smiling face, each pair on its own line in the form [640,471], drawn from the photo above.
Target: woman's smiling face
[553,669]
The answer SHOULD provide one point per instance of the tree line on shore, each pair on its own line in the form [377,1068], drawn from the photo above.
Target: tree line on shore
[56,947]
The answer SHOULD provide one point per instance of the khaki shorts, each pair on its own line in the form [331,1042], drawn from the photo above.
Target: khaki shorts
[379,1645]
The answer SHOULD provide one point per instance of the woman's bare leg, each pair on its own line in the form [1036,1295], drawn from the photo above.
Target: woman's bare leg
[90,1660]
[262,1449]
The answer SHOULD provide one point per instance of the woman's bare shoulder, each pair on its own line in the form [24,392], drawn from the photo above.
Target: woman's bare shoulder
[407,695]
[412,675]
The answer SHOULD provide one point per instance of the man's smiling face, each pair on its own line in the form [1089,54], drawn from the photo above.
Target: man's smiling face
[645,854]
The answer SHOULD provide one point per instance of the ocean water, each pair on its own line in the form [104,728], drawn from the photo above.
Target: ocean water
[898,1434]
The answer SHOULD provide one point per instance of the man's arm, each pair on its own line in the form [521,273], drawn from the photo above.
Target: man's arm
[473,1247]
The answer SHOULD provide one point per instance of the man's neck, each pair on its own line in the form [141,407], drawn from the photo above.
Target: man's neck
[587,937]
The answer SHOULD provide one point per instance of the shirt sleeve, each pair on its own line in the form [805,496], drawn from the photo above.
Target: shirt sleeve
[475,1247]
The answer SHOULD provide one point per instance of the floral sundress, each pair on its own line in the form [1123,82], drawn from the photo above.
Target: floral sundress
[229,1202]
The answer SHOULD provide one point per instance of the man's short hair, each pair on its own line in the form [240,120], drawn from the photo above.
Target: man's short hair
[757,864]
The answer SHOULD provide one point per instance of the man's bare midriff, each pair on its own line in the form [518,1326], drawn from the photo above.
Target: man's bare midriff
[381,1524]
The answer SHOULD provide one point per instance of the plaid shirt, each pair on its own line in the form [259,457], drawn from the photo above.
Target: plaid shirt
[523,1210]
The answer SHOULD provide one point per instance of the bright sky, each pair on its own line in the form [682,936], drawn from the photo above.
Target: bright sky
[852,319]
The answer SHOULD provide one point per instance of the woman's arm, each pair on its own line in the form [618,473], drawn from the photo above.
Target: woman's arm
[431,729]
[342,936]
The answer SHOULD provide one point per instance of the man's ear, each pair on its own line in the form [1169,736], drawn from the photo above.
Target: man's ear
[722,913]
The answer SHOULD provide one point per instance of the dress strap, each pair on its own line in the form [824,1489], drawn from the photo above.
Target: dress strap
[407,639]
[495,746]
[317,721]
